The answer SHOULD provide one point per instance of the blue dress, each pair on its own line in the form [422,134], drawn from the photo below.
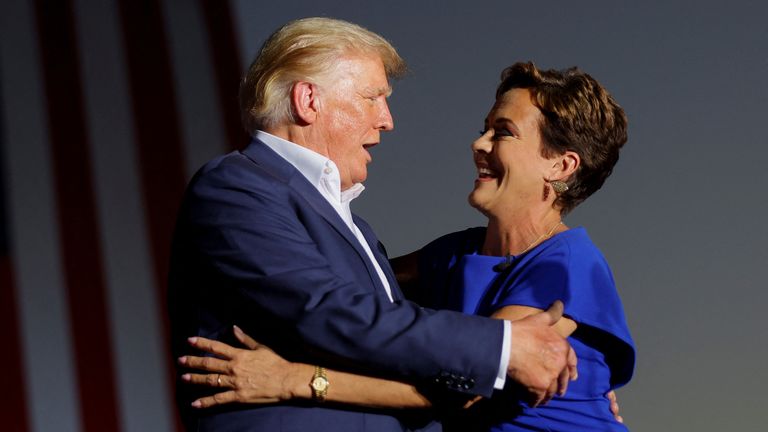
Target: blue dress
[565,267]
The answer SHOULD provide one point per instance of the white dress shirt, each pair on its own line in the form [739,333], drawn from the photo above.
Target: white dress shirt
[323,174]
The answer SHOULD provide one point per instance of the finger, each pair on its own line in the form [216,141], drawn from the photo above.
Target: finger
[552,315]
[210,364]
[535,399]
[542,397]
[611,395]
[210,380]
[572,362]
[245,339]
[213,347]
[217,399]
[550,393]
[562,381]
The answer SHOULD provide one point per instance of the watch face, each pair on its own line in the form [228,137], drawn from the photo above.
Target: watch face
[319,383]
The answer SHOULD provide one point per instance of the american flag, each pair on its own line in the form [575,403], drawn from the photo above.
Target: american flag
[108,107]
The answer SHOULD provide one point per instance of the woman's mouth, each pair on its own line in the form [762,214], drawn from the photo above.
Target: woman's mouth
[485,174]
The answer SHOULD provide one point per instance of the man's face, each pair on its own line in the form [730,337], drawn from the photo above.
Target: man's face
[353,111]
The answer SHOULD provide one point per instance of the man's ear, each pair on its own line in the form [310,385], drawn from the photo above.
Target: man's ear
[564,166]
[304,102]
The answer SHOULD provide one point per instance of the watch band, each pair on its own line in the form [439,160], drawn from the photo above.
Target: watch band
[319,384]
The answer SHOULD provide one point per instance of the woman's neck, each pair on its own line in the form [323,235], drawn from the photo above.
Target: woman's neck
[512,234]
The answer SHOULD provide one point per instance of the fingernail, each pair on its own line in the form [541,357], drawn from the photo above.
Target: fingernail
[183,360]
[196,404]
[192,340]
[237,329]
[185,377]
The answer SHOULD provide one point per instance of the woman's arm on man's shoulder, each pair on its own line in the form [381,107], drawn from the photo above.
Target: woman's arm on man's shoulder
[406,268]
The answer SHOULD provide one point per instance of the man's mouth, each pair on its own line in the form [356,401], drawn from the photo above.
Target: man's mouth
[367,148]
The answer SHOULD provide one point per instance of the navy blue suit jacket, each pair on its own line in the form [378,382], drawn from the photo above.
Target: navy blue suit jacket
[256,245]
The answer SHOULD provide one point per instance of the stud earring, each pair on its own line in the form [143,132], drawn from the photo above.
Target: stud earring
[559,186]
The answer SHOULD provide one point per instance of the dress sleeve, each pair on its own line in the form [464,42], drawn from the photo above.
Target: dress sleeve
[572,270]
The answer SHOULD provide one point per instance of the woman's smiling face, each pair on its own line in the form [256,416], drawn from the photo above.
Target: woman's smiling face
[508,156]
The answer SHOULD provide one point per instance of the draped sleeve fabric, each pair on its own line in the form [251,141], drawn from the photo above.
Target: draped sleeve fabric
[569,267]
[566,267]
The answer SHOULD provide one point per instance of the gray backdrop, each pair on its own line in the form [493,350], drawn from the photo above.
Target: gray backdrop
[680,220]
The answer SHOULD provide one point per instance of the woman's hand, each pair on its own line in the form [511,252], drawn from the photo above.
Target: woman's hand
[614,406]
[254,375]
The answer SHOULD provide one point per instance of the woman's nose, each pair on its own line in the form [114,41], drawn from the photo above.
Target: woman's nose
[483,143]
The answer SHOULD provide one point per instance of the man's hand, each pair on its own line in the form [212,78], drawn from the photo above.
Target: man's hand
[541,361]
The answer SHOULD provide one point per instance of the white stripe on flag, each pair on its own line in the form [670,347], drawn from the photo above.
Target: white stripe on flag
[200,119]
[141,375]
[33,228]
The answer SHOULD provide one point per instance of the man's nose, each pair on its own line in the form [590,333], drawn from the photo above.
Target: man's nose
[385,122]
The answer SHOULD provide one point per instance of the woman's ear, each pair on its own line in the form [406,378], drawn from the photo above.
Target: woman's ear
[564,166]
[304,102]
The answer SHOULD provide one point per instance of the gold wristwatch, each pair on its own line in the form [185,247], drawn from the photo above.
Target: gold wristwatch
[319,384]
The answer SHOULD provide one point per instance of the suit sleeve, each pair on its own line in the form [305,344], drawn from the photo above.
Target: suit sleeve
[248,246]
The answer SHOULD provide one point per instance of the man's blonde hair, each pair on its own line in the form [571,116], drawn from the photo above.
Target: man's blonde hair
[304,50]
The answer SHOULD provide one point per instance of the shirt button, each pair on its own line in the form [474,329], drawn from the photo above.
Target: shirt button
[327,170]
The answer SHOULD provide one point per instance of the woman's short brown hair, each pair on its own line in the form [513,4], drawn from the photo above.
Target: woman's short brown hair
[304,50]
[579,115]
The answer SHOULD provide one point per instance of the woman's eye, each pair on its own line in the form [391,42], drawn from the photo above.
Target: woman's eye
[499,133]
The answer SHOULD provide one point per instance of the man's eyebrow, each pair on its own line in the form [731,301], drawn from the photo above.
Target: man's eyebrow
[379,91]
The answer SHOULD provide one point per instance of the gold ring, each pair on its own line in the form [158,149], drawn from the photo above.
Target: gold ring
[219,380]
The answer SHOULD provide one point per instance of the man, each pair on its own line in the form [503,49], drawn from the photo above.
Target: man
[266,240]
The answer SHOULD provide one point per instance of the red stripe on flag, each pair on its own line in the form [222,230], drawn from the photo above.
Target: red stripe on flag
[80,241]
[13,410]
[158,137]
[227,68]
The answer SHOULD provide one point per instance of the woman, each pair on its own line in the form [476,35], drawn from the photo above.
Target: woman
[549,142]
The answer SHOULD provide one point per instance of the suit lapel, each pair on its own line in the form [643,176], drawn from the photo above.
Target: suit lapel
[278,167]
[381,256]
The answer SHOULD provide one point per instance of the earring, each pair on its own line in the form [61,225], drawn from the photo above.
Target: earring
[546,191]
[559,186]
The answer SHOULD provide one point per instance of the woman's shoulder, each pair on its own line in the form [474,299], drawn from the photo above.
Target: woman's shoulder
[589,277]
[571,248]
